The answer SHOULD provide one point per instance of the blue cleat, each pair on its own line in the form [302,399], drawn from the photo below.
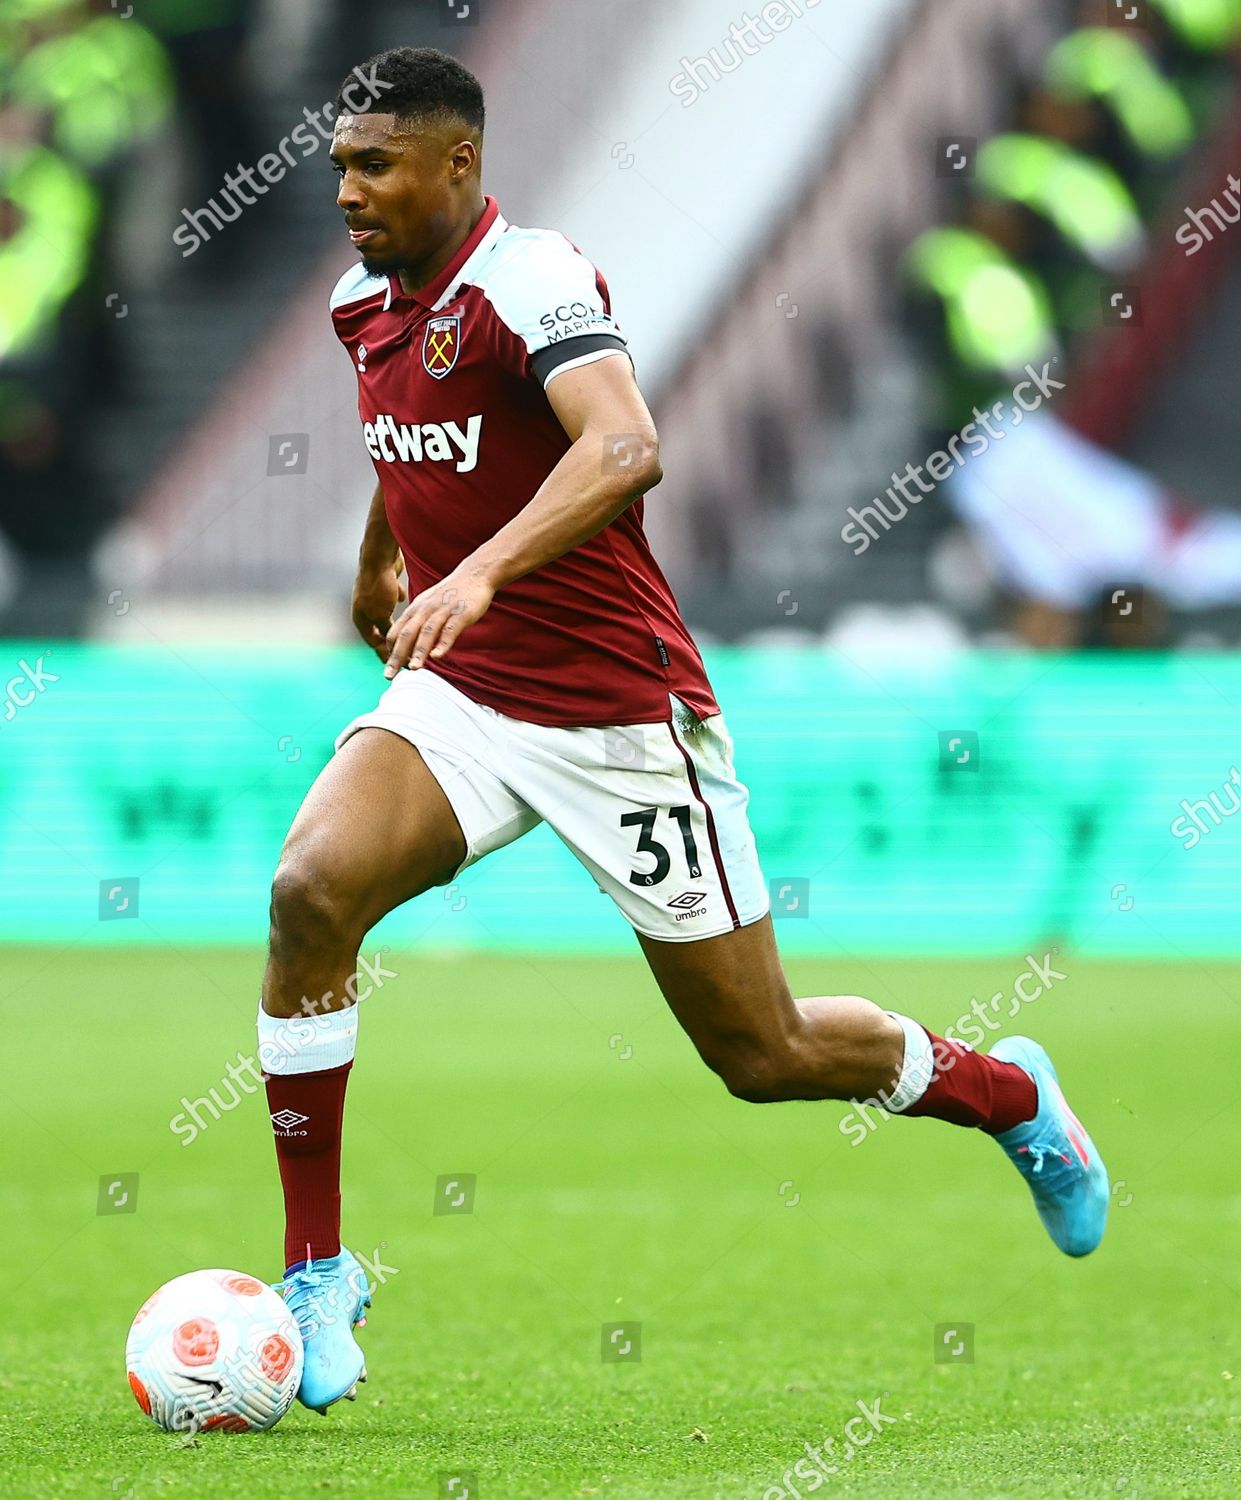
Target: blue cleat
[328,1297]
[1058,1160]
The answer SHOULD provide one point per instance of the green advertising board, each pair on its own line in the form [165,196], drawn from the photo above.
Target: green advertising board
[969,804]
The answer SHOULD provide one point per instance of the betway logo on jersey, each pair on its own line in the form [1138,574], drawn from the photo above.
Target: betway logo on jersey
[431,442]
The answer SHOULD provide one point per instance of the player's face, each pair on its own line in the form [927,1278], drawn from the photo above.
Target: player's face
[396,188]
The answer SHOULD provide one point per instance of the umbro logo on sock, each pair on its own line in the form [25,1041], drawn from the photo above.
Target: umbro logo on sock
[286,1119]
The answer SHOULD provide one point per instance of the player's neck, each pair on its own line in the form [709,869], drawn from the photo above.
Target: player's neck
[414,277]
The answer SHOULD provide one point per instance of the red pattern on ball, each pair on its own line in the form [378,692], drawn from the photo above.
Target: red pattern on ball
[140,1393]
[244,1286]
[276,1356]
[196,1341]
[227,1421]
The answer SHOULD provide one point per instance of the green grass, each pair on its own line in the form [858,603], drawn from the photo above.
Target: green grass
[616,1188]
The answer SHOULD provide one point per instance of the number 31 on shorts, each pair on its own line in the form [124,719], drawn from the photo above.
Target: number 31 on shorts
[646,821]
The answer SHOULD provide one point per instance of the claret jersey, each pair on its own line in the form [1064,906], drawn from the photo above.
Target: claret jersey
[451,393]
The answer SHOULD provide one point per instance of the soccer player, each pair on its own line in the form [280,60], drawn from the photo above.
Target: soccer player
[540,671]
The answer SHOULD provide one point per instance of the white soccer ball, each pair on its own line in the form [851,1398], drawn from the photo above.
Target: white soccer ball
[214,1351]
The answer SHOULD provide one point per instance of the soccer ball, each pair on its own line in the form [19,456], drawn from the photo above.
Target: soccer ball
[214,1351]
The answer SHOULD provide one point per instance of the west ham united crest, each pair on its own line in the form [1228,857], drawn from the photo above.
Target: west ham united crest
[440,344]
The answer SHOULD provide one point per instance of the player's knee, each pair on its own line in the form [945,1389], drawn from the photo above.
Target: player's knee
[307,906]
[762,1070]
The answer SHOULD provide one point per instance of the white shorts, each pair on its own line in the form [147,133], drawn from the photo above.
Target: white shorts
[654,811]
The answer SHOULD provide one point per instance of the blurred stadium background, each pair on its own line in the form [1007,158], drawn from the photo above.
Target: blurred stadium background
[830,237]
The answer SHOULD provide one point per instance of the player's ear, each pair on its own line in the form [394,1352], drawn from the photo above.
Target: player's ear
[463,160]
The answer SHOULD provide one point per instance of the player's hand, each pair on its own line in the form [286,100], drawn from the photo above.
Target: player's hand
[376,595]
[433,620]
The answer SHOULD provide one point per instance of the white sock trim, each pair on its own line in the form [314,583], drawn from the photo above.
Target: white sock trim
[307,1044]
[916,1071]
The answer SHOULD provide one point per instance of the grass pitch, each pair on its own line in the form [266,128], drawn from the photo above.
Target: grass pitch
[780,1275]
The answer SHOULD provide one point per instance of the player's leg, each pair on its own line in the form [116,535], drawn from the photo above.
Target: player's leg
[730,995]
[411,796]
[375,830]
[657,815]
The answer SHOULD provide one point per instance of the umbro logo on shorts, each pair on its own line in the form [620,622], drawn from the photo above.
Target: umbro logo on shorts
[689,904]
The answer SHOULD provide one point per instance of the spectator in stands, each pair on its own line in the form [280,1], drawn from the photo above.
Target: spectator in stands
[1066,524]
[1098,228]
[48,510]
[1104,94]
[103,86]
[1115,69]
[48,217]
[104,83]
[978,314]
[82,86]
[1202,27]
[1194,40]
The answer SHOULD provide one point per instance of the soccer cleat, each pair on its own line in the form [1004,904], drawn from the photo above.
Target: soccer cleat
[328,1298]
[1058,1160]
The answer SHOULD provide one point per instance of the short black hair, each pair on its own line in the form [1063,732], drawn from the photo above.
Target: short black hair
[415,83]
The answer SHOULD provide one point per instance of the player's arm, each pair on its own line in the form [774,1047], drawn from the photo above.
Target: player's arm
[612,461]
[378,589]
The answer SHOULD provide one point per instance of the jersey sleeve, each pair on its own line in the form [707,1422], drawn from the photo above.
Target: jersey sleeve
[557,304]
